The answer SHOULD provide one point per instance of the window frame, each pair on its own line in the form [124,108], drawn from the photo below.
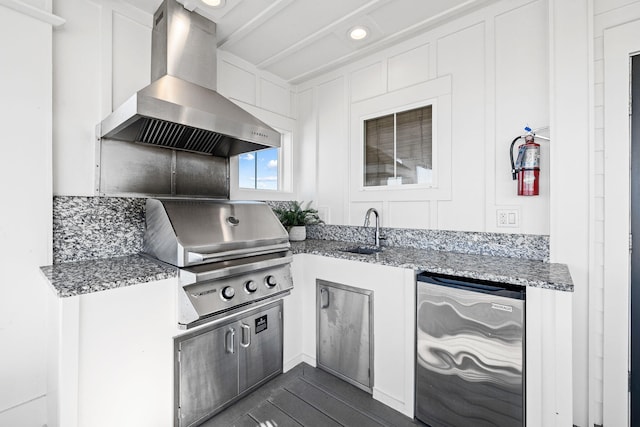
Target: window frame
[438,90]
[433,102]
[287,127]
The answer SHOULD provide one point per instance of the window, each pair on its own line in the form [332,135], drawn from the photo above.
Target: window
[399,148]
[259,169]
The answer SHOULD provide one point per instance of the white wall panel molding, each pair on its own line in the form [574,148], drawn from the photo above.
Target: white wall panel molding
[521,97]
[490,127]
[102,56]
[266,91]
[609,14]
[571,85]
[130,57]
[368,82]
[455,54]
[409,68]
[26,88]
[332,149]
[466,50]
[37,13]
[275,97]
[237,83]
[106,61]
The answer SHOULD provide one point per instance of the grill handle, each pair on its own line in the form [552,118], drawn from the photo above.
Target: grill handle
[246,332]
[194,257]
[229,341]
[239,269]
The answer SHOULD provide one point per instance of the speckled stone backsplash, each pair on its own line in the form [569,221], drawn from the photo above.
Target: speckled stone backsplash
[525,246]
[86,228]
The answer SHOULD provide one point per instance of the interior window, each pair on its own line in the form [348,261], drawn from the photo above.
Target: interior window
[399,148]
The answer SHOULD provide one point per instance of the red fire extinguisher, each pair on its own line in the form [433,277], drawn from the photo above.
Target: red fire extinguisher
[527,165]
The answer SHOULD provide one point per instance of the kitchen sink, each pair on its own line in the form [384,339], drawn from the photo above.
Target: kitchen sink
[363,250]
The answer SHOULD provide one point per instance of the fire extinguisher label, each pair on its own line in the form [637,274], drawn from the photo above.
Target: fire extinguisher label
[531,159]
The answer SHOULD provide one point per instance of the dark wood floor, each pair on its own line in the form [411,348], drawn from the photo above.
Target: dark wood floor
[307,396]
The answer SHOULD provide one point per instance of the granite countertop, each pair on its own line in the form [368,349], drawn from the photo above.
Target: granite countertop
[84,277]
[500,269]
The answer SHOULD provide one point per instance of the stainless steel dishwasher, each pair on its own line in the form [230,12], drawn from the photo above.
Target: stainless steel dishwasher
[470,352]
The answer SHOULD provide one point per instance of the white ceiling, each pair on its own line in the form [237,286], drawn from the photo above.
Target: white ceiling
[299,39]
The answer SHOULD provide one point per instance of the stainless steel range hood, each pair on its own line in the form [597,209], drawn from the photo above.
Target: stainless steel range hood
[180,109]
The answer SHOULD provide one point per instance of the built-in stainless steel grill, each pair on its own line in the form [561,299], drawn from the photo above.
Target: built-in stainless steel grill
[232,255]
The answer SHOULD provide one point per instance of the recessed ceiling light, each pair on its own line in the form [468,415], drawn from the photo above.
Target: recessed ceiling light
[214,3]
[358,33]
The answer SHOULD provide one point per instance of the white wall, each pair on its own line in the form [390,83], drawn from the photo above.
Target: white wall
[101,57]
[499,83]
[25,218]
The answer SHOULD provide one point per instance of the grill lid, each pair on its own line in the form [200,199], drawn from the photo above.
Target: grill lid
[192,232]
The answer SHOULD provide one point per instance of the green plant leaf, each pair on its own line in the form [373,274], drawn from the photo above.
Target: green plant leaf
[296,214]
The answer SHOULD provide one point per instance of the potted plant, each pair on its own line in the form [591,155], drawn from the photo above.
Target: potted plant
[295,217]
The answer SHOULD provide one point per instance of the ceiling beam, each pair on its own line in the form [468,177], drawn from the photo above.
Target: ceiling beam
[305,42]
[395,38]
[276,7]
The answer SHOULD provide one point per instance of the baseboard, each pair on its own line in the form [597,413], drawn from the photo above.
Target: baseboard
[393,402]
[291,363]
[294,361]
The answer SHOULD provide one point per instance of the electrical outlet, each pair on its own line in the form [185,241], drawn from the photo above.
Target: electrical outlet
[507,218]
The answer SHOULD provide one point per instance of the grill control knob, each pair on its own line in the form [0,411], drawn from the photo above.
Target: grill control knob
[270,281]
[227,293]
[251,286]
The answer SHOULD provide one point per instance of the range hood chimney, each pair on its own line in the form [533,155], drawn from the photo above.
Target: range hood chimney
[180,109]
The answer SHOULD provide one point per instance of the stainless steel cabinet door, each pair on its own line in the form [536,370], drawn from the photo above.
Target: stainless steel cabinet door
[260,347]
[344,332]
[208,373]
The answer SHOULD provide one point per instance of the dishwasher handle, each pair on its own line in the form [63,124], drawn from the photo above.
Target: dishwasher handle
[324,298]
[230,341]
[474,285]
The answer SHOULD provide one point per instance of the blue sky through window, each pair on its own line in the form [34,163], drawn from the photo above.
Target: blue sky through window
[259,170]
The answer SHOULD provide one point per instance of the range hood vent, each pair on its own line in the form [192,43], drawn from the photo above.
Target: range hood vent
[180,109]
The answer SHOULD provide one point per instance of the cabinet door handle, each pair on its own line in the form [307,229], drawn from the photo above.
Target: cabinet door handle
[324,297]
[246,332]
[230,338]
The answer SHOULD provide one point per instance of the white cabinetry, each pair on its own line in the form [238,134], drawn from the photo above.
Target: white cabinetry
[548,335]
[111,357]
[394,290]
[111,352]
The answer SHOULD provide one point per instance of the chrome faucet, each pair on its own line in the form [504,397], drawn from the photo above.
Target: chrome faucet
[366,224]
